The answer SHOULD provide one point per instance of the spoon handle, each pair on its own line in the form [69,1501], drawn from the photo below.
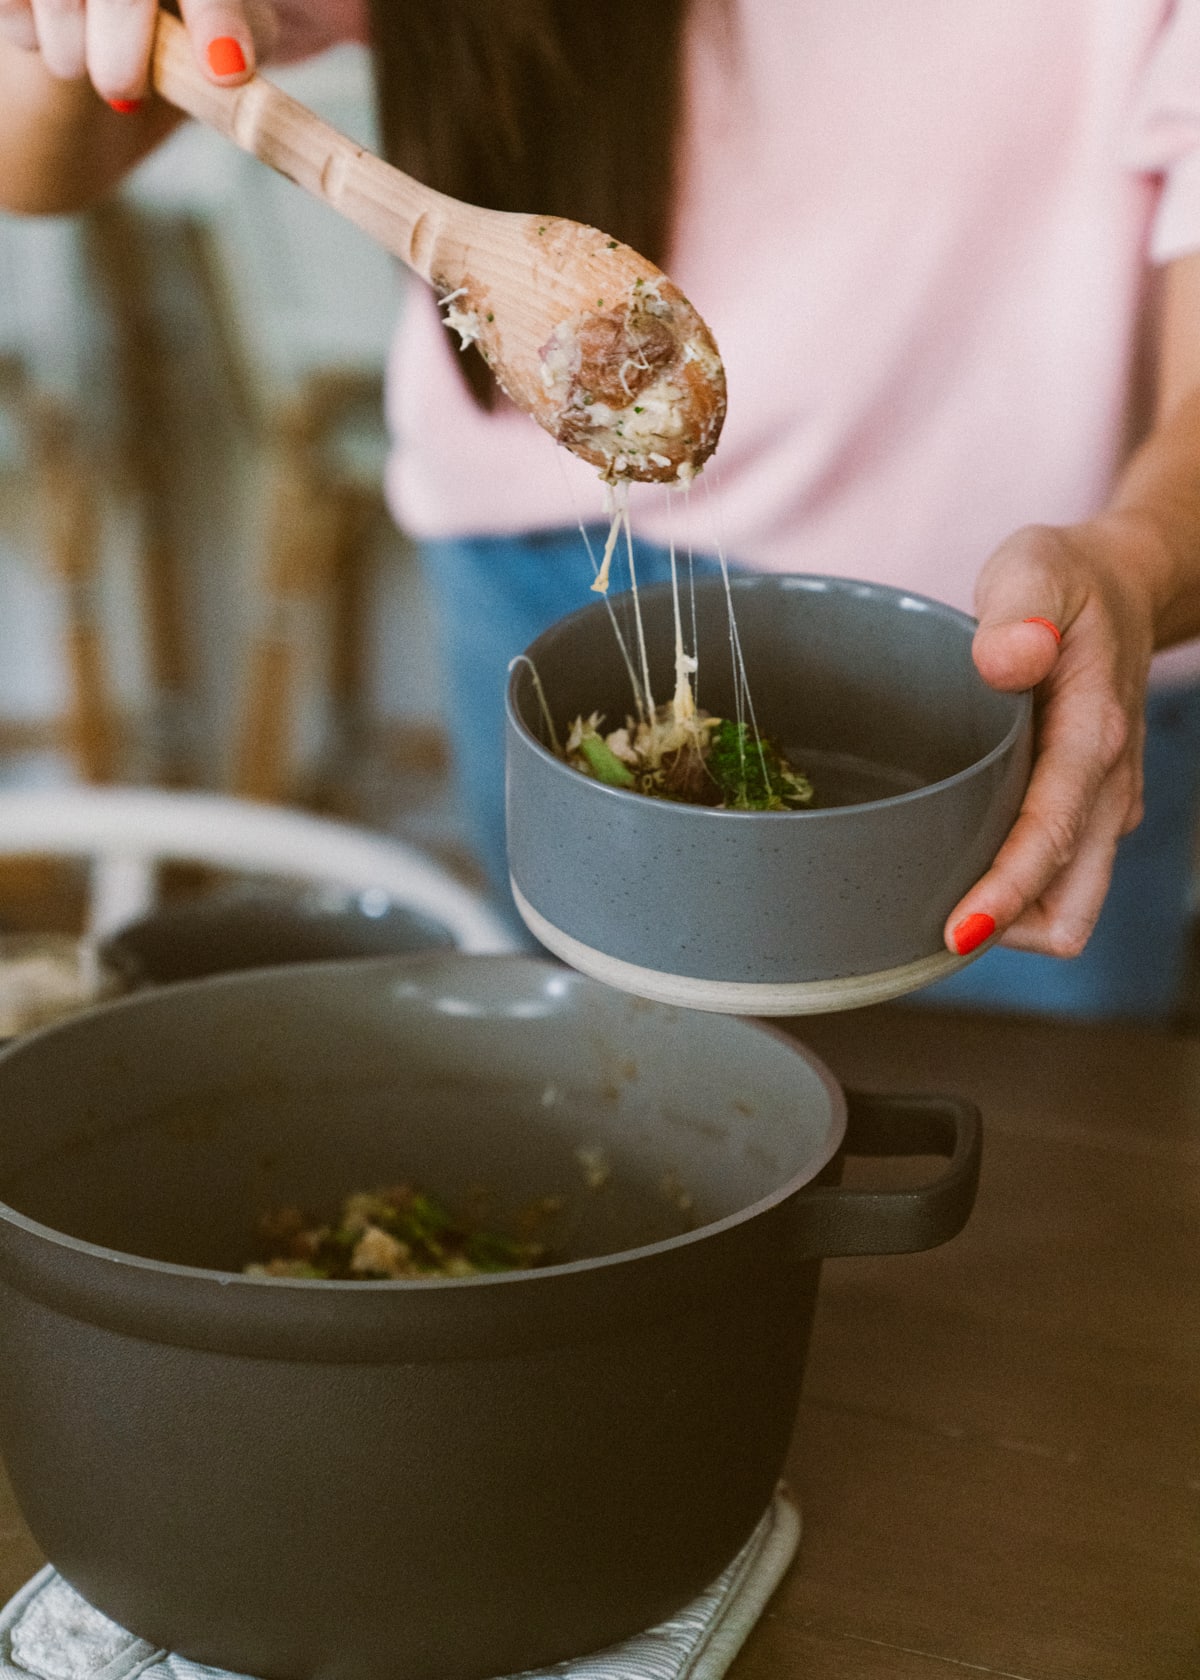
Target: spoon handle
[406,218]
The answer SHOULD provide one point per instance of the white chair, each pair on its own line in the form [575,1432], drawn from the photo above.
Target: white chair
[126,833]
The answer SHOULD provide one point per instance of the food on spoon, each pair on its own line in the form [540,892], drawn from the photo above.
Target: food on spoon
[399,1232]
[639,389]
[695,759]
[633,383]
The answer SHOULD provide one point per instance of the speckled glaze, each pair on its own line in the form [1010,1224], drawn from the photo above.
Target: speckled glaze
[836,668]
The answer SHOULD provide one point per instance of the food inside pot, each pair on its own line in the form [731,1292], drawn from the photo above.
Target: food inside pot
[398,1232]
[694,760]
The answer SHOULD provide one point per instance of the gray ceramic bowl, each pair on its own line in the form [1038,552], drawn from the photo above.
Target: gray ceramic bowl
[919,770]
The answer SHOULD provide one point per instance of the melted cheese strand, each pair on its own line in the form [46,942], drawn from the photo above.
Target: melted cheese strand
[648,714]
[616,507]
[683,703]
[740,685]
[691,558]
[547,718]
[660,737]
[638,700]
[743,702]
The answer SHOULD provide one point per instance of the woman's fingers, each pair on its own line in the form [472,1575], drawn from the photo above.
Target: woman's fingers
[1080,744]
[222,38]
[1061,920]
[1027,597]
[1016,654]
[119,36]
[61,37]
[17,25]
[1057,614]
[1044,890]
[110,41]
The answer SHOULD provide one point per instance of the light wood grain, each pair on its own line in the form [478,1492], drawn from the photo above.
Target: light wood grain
[65,479]
[399,213]
[998,1452]
[124,271]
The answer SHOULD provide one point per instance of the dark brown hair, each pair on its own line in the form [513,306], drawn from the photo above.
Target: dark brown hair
[555,107]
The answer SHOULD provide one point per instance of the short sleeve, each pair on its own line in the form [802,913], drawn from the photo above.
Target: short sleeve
[308,27]
[1163,135]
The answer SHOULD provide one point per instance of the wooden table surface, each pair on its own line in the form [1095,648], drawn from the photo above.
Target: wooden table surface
[998,1452]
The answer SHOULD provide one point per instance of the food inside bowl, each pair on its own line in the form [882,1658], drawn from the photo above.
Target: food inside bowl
[695,760]
[399,1232]
[677,751]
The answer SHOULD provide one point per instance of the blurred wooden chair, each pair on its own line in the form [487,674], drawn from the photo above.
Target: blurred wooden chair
[46,390]
[305,307]
[122,273]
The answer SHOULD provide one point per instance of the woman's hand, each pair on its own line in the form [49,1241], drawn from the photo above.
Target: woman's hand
[109,41]
[1087,582]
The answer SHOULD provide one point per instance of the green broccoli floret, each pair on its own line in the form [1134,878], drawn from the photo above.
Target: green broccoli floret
[487,1251]
[752,773]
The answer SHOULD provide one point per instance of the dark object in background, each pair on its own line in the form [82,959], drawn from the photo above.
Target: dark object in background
[263,927]
[442,1480]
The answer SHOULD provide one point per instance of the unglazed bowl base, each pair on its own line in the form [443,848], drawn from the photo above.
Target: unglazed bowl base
[741,997]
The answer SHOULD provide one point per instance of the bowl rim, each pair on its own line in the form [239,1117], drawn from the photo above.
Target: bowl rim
[291,973]
[809,582]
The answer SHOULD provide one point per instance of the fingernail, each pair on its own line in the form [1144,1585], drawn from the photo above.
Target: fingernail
[1053,628]
[971,932]
[127,106]
[225,56]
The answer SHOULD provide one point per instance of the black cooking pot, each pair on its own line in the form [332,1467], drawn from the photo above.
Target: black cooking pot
[265,927]
[420,1480]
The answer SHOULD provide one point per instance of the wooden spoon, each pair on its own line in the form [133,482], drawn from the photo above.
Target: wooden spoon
[585,335]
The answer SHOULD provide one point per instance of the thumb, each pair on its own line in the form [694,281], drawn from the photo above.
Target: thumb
[1025,603]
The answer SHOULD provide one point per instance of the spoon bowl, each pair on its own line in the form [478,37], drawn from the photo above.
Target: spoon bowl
[584,335]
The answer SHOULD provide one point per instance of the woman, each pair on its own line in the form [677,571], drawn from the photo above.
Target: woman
[924,239]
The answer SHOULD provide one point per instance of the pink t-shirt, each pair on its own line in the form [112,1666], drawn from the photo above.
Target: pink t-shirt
[922,236]
[305,27]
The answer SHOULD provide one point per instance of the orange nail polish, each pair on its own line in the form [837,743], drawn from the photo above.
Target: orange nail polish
[971,932]
[225,56]
[1053,628]
[126,106]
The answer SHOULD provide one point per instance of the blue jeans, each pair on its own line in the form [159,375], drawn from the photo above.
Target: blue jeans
[493,595]
[1135,963]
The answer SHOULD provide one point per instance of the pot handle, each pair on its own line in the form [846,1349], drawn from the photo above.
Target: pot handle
[847,1222]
